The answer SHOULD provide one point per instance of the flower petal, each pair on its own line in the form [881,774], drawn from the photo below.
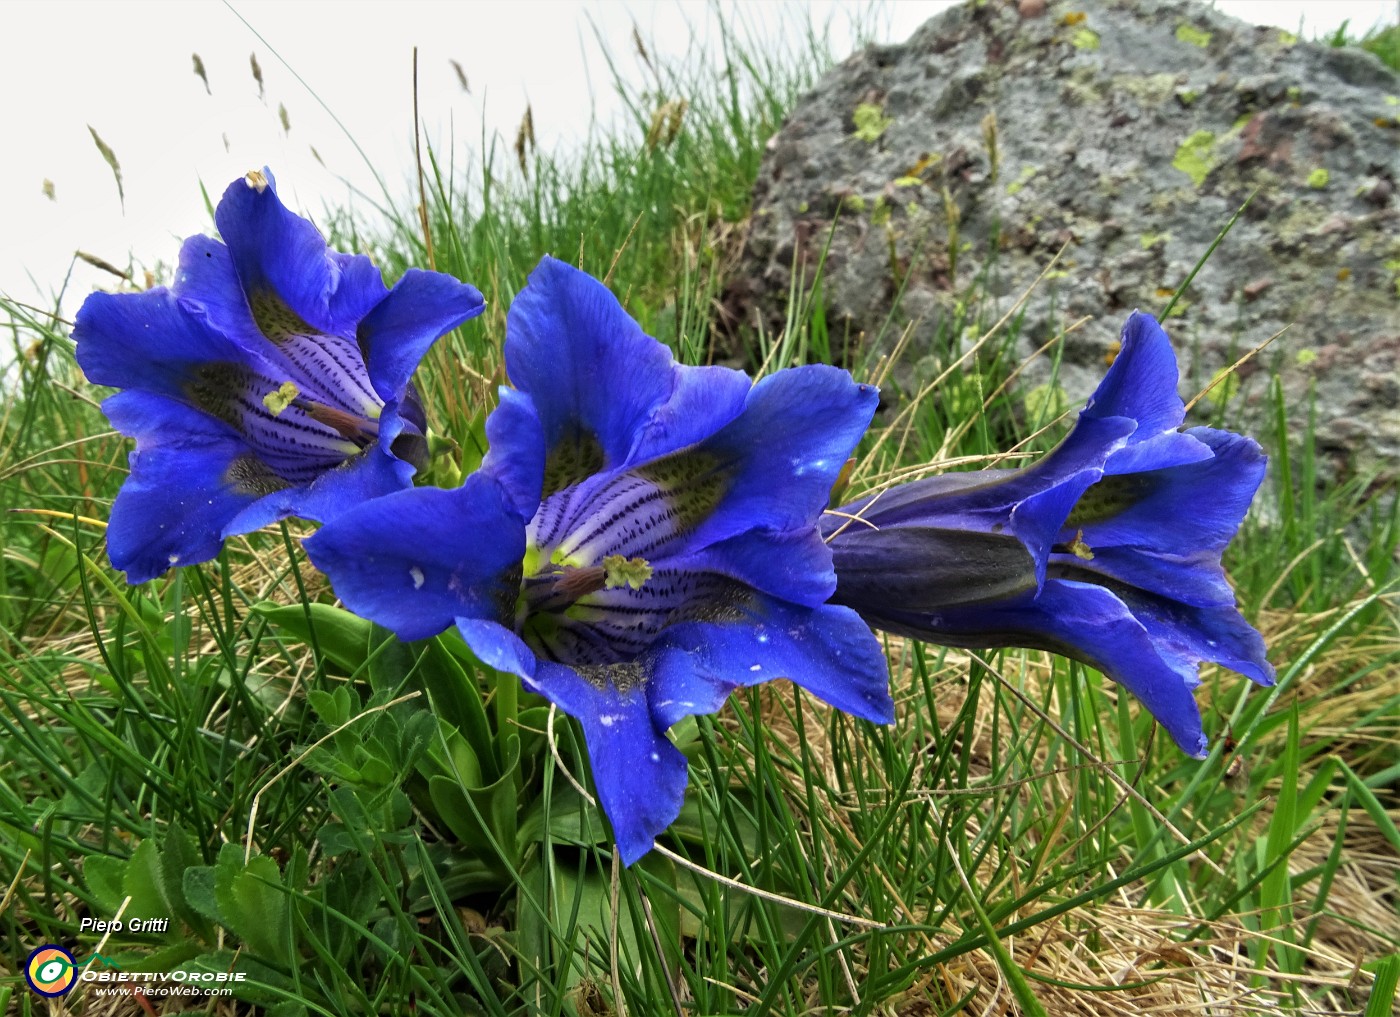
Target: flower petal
[703,401]
[1163,530]
[417,560]
[1141,382]
[1088,623]
[793,565]
[1031,503]
[784,452]
[1186,510]
[594,376]
[1215,633]
[207,286]
[398,332]
[828,650]
[1096,627]
[189,476]
[771,468]
[371,474]
[983,500]
[639,774]
[146,341]
[277,252]
[516,455]
[497,646]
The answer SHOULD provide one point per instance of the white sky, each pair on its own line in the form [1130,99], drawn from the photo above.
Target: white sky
[125,68]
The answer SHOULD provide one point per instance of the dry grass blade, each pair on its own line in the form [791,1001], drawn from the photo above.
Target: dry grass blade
[199,73]
[110,158]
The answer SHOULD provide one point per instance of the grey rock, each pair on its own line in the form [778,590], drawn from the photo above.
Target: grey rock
[1130,131]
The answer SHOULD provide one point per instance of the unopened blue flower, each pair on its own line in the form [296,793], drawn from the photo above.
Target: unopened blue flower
[1107,550]
[271,380]
[640,541]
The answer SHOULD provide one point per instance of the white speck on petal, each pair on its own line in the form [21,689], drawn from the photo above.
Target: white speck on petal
[763,637]
[655,758]
[607,719]
[417,575]
[174,558]
[756,667]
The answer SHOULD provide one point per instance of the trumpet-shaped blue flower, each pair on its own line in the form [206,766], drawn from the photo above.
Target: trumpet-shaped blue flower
[640,541]
[272,380]
[1107,550]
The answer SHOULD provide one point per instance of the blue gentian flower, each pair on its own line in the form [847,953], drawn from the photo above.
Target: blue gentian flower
[640,541]
[271,380]
[1107,550]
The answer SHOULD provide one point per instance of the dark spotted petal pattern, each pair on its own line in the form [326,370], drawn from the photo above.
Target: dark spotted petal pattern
[660,524]
[289,364]
[1124,523]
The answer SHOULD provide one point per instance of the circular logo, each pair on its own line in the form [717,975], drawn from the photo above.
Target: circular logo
[51,970]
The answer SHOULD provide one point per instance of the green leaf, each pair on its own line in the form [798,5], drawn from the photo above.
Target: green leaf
[342,637]
[572,820]
[1382,998]
[252,900]
[178,854]
[259,975]
[144,882]
[456,698]
[198,886]
[104,876]
[481,816]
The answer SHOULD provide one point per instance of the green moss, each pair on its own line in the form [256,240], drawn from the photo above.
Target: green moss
[1192,36]
[1196,156]
[907,182]
[1187,96]
[803,208]
[1151,240]
[1224,387]
[1046,402]
[1318,178]
[1153,89]
[1086,39]
[1287,38]
[870,121]
[855,203]
[1020,182]
[880,214]
[1306,357]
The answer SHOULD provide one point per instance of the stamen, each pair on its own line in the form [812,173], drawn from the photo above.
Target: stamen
[347,424]
[633,572]
[279,400]
[573,583]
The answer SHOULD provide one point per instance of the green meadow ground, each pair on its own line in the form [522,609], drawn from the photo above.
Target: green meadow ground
[363,827]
